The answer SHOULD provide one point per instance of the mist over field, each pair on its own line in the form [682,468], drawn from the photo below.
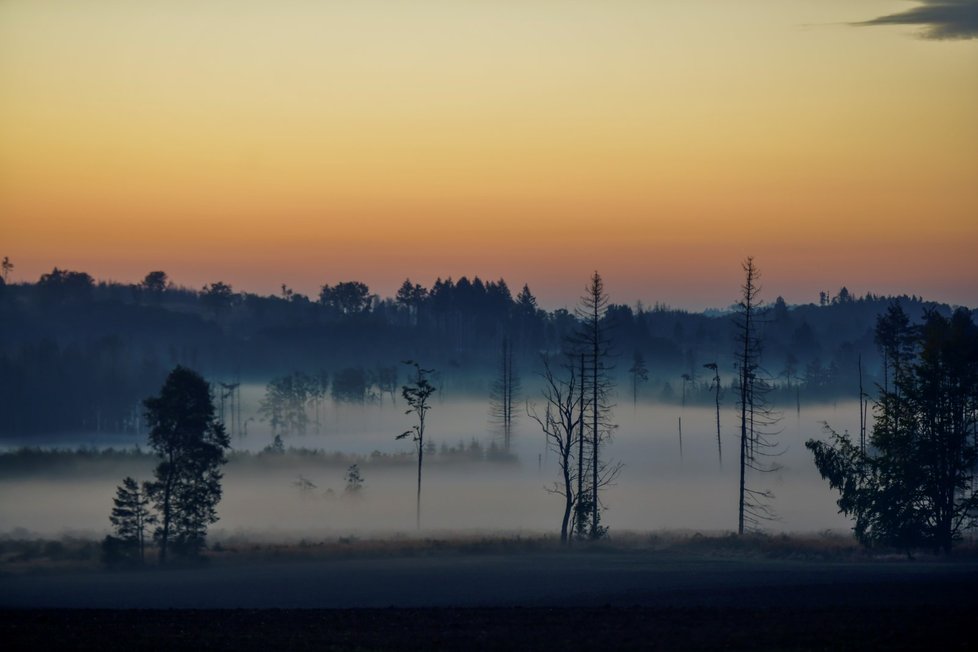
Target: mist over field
[467,491]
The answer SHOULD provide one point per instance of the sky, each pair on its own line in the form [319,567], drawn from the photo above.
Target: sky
[658,142]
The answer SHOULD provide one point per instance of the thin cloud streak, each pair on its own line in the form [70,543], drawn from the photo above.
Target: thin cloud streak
[941,19]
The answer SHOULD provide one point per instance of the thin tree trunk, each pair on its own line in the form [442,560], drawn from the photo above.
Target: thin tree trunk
[719,444]
[167,509]
[580,450]
[420,458]
[596,434]
[680,440]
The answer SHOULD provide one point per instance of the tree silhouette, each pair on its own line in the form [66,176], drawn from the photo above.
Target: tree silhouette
[640,374]
[503,395]
[155,282]
[130,519]
[755,414]
[687,379]
[411,297]
[218,297]
[61,285]
[191,445]
[417,394]
[386,380]
[7,267]
[354,481]
[715,386]
[563,425]
[915,484]
[347,297]
[592,340]
[285,401]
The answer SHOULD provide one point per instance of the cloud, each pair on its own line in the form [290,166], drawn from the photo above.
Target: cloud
[941,19]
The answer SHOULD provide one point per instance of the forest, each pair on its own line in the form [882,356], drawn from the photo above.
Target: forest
[78,355]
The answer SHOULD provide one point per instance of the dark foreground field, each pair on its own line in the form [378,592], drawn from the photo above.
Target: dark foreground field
[548,600]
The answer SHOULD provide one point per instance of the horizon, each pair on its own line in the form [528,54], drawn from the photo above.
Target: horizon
[659,143]
[542,301]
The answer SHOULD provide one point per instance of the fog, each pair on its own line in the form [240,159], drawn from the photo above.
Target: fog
[656,490]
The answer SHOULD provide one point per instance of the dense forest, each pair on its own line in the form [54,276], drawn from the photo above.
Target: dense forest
[80,355]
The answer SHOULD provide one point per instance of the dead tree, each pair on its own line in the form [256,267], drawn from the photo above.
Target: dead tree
[504,393]
[592,340]
[581,511]
[756,416]
[715,386]
[562,423]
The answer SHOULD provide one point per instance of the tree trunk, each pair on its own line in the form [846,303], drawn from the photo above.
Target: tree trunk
[417,517]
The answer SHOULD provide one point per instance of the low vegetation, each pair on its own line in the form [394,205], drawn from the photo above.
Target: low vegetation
[22,553]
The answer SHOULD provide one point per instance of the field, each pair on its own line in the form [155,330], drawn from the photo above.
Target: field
[663,591]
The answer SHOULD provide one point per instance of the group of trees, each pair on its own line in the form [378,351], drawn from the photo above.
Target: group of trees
[181,500]
[576,416]
[289,399]
[913,484]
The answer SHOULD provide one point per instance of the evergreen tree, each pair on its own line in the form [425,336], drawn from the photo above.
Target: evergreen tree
[130,519]
[191,444]
[915,484]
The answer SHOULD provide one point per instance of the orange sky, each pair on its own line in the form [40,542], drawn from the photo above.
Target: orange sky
[299,142]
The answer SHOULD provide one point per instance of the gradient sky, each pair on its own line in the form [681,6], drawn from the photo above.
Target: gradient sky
[294,142]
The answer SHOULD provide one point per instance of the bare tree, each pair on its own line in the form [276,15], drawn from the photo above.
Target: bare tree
[715,386]
[417,395]
[503,395]
[756,415]
[562,423]
[7,267]
[592,341]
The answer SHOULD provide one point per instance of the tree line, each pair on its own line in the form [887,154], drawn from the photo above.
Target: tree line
[76,354]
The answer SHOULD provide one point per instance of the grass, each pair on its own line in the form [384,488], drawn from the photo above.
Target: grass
[19,555]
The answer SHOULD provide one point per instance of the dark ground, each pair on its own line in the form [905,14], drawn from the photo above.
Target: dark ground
[546,601]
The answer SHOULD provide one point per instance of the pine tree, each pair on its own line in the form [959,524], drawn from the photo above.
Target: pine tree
[191,445]
[131,518]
